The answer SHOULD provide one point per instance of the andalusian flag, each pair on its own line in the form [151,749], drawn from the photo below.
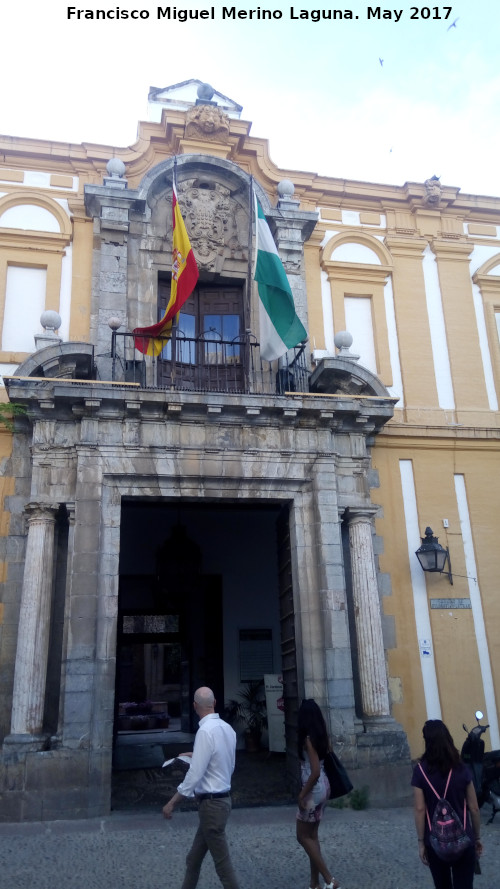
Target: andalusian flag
[184,278]
[280,327]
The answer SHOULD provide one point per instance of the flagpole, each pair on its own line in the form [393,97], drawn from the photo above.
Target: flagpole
[248,311]
[173,329]
[250,249]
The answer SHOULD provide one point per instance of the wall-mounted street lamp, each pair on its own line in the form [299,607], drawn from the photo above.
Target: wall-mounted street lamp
[432,556]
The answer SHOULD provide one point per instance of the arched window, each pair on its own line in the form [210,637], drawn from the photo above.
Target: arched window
[359,270]
[34,233]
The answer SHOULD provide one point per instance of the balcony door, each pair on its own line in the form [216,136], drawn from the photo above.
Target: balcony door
[207,349]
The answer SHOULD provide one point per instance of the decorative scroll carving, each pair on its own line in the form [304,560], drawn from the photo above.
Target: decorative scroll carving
[207,122]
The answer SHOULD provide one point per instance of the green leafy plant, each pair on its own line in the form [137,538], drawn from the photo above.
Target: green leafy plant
[249,708]
[8,412]
[358,798]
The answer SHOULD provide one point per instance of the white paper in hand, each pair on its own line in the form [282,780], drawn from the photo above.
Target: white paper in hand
[168,762]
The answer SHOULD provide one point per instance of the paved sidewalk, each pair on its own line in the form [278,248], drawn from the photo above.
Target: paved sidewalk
[372,848]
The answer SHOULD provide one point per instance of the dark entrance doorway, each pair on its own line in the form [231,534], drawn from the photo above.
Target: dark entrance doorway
[169,638]
[197,581]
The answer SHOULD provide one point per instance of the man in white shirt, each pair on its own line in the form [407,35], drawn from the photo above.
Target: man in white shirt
[209,780]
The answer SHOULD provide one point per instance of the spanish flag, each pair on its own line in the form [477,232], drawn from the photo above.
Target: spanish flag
[184,278]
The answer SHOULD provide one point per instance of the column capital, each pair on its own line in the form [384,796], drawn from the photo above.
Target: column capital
[40,511]
[71,509]
[410,246]
[366,514]
[454,251]
[292,228]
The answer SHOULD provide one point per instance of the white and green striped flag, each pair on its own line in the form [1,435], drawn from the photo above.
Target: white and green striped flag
[280,327]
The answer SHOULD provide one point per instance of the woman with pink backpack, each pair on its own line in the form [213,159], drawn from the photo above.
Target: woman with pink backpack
[446,811]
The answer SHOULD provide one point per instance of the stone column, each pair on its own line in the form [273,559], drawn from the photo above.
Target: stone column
[371,657]
[34,622]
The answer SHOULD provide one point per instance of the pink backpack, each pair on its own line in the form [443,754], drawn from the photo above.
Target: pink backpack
[447,835]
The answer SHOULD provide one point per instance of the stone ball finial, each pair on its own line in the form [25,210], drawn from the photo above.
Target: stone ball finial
[205,92]
[114,323]
[115,168]
[50,320]
[286,188]
[343,340]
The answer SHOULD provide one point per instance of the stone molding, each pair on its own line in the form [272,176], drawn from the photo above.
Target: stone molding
[342,375]
[107,401]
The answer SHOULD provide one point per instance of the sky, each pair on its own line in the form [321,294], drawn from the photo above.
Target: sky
[397,98]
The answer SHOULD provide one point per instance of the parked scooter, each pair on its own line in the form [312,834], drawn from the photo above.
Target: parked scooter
[485,767]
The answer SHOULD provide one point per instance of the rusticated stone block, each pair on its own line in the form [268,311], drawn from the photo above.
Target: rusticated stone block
[56,769]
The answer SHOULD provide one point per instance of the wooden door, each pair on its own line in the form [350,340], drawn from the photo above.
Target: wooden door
[206,344]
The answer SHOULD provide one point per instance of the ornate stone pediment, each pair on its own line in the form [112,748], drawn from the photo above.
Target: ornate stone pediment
[208,123]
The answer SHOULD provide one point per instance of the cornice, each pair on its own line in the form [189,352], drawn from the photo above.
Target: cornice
[398,437]
[487,283]
[34,241]
[88,159]
[70,399]
[341,271]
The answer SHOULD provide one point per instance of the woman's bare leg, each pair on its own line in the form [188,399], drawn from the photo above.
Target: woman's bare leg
[307,836]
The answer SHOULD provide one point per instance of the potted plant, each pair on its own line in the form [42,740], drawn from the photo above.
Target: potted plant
[250,709]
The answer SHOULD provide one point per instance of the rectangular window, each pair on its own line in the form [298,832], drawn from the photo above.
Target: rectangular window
[359,323]
[256,654]
[24,303]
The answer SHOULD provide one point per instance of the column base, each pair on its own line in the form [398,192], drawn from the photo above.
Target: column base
[381,724]
[388,783]
[19,745]
[384,741]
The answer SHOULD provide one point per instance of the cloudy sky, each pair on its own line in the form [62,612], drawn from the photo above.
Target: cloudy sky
[391,99]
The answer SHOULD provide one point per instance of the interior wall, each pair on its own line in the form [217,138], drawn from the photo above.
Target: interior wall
[238,543]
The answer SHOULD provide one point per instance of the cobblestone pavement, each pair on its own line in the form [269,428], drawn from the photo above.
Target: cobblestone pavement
[131,850]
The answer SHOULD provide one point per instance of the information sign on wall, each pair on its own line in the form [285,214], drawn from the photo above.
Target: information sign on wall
[275,704]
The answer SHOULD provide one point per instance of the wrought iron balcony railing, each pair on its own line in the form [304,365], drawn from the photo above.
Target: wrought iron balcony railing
[208,363]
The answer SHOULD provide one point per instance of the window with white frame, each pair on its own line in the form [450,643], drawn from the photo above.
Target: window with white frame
[24,303]
[359,323]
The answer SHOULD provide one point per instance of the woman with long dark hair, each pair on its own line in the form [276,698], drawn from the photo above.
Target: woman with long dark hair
[312,748]
[442,767]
